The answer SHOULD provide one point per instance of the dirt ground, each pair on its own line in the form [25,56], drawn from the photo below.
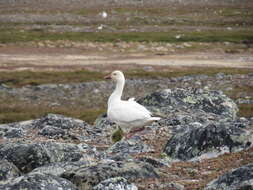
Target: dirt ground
[60,59]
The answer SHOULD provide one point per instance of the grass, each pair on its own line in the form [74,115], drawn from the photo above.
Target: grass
[22,78]
[245,110]
[236,36]
[12,110]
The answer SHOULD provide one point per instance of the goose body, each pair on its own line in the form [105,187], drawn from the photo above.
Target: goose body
[127,114]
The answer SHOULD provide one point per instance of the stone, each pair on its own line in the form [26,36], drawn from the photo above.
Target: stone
[8,170]
[11,132]
[37,181]
[29,156]
[59,121]
[117,183]
[239,178]
[202,139]
[171,100]
[130,146]
[86,178]
[58,168]
[51,131]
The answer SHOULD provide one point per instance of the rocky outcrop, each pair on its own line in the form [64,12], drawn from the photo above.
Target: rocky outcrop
[71,154]
[212,138]
[85,178]
[175,100]
[8,170]
[29,156]
[38,181]
[117,183]
[240,178]
[58,168]
[58,121]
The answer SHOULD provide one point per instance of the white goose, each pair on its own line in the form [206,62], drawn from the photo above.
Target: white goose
[127,114]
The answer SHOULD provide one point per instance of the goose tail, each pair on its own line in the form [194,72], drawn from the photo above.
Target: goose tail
[155,118]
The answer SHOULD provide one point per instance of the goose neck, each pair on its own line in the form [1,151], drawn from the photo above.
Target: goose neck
[117,93]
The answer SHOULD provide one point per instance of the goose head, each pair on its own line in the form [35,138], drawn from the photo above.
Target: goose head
[116,76]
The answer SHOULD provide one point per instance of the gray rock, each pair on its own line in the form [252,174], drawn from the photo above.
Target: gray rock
[51,131]
[153,161]
[85,178]
[58,168]
[170,100]
[130,146]
[10,132]
[29,156]
[201,139]
[103,126]
[59,121]
[37,181]
[240,178]
[8,170]
[117,183]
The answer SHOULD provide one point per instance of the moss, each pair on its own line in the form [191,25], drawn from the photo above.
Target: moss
[10,35]
[246,110]
[117,135]
[190,100]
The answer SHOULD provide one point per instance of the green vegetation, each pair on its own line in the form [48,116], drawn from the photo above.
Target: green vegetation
[12,109]
[245,110]
[236,36]
[22,78]
[117,135]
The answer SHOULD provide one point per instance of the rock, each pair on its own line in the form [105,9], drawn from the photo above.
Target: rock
[240,178]
[103,126]
[171,100]
[11,132]
[85,178]
[51,126]
[59,168]
[117,183]
[8,170]
[153,161]
[51,131]
[37,181]
[172,185]
[124,148]
[59,121]
[202,139]
[29,156]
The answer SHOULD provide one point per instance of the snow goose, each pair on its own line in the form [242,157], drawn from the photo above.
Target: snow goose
[129,115]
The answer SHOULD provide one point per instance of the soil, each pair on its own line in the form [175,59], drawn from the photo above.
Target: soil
[14,58]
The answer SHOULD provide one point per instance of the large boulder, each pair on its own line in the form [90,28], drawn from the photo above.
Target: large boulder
[236,179]
[51,126]
[172,100]
[29,156]
[86,178]
[199,140]
[117,183]
[59,121]
[37,181]
[58,168]
[8,170]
